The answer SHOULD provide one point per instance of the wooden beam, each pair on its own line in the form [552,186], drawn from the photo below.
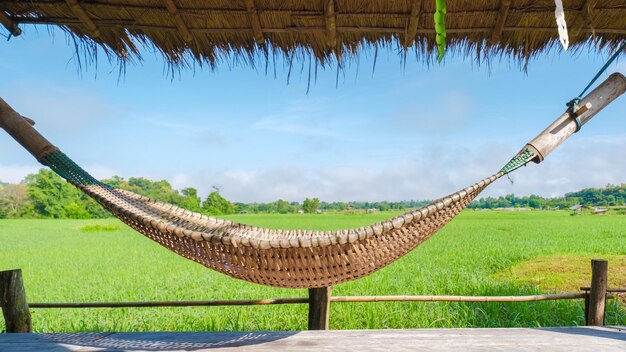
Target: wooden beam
[83,17]
[8,23]
[331,24]
[256,22]
[150,27]
[584,19]
[180,23]
[597,294]
[13,302]
[500,21]
[319,307]
[413,23]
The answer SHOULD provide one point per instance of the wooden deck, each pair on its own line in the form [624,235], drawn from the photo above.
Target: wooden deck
[510,340]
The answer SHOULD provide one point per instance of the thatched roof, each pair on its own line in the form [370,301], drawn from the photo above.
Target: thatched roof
[210,31]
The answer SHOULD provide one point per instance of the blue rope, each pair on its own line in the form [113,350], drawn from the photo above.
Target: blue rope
[573,104]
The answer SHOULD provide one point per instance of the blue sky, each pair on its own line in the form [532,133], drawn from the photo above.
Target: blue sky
[412,132]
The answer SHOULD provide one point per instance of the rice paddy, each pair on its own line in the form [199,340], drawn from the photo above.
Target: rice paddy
[478,253]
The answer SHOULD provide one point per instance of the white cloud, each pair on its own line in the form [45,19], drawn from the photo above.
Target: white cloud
[587,162]
[16,173]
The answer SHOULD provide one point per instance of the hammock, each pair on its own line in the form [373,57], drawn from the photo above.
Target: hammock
[293,258]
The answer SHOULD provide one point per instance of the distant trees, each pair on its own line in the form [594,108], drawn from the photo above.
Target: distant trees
[52,197]
[45,194]
[14,201]
[311,205]
[281,206]
[215,204]
[606,196]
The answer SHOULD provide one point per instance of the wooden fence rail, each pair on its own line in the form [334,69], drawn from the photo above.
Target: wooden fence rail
[17,316]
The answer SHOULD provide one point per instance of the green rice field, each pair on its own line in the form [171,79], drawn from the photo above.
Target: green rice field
[478,253]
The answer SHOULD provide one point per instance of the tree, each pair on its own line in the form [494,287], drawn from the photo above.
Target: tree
[215,204]
[281,206]
[190,199]
[14,201]
[52,197]
[311,205]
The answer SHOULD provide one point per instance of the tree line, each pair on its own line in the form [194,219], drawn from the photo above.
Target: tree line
[46,195]
[610,195]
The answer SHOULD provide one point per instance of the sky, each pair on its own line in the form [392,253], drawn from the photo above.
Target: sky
[398,132]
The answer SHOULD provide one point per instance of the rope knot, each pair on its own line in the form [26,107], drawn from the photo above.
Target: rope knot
[572,108]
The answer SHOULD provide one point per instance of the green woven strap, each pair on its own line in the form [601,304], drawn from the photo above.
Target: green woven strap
[66,168]
[520,160]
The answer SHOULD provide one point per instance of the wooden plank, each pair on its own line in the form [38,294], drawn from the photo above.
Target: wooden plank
[83,17]
[597,294]
[577,339]
[178,19]
[13,302]
[319,307]
[413,23]
[500,21]
[331,25]
[8,23]
[256,22]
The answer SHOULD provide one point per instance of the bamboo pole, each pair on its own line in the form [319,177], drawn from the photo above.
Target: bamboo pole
[547,297]
[338,299]
[21,129]
[236,302]
[13,302]
[564,126]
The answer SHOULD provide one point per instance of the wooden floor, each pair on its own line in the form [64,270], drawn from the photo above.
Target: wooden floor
[510,340]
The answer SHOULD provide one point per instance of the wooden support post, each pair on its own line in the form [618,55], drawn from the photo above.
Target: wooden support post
[13,302]
[500,21]
[413,23]
[584,19]
[179,21]
[255,22]
[84,18]
[331,26]
[319,306]
[597,294]
[8,23]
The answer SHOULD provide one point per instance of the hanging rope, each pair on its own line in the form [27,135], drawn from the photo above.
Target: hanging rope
[573,104]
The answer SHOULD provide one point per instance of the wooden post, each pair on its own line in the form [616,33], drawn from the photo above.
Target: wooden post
[13,302]
[597,294]
[319,305]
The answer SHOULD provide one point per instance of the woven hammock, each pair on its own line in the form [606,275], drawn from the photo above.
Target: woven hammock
[293,258]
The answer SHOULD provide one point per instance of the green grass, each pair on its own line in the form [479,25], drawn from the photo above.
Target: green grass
[99,228]
[61,263]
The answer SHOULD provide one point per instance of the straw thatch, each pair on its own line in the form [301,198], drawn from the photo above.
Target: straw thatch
[210,31]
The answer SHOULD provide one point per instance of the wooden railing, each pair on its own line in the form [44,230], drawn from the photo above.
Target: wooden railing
[17,315]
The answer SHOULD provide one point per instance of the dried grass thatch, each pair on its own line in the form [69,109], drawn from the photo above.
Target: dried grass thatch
[207,32]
